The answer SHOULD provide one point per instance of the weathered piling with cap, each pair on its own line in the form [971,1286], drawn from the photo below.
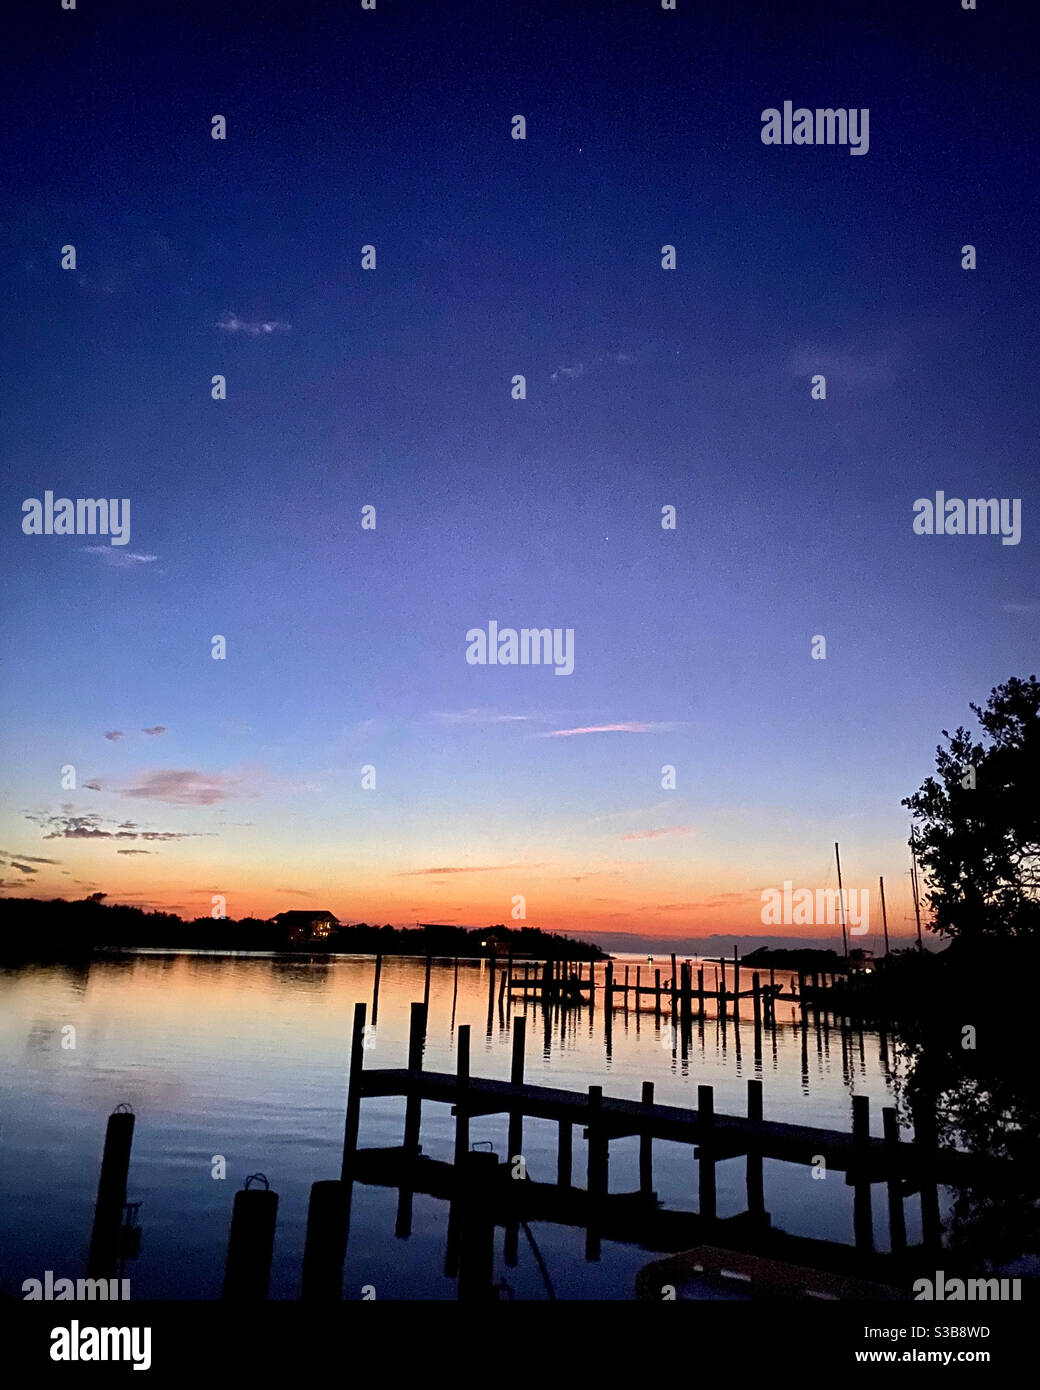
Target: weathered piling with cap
[476,1252]
[247,1274]
[103,1257]
[657,994]
[325,1246]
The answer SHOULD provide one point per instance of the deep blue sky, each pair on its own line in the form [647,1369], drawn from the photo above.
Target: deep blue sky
[391,387]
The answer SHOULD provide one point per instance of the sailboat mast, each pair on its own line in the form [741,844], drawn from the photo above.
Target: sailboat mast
[841,901]
[913,880]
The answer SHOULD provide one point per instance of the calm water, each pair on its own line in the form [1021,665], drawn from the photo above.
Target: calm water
[246,1057]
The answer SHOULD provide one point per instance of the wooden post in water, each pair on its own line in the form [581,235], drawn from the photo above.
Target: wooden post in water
[736,984]
[756,1003]
[357,1062]
[597,1181]
[896,1219]
[103,1258]
[686,1002]
[461,1097]
[863,1221]
[375,990]
[247,1274]
[675,995]
[646,1148]
[626,988]
[413,1105]
[515,1141]
[639,996]
[325,1245]
[563,1154]
[476,1261]
[516,1077]
[705,1159]
[700,993]
[755,1192]
[657,994]
[608,986]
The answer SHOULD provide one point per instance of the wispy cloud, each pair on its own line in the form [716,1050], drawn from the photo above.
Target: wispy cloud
[159,729]
[1021,607]
[466,869]
[114,734]
[120,559]
[628,727]
[658,834]
[576,370]
[231,323]
[92,827]
[28,858]
[481,716]
[135,851]
[93,785]
[25,868]
[181,788]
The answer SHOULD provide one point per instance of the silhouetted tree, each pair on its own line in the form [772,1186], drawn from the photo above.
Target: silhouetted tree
[978,821]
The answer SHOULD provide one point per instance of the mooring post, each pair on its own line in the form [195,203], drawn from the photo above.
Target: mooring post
[247,1274]
[413,1105]
[700,993]
[461,1097]
[705,1159]
[426,983]
[516,1078]
[756,1008]
[325,1246]
[476,1255]
[657,993]
[639,992]
[646,1147]
[597,1181]
[755,1193]
[626,989]
[111,1195]
[375,990]
[896,1218]
[675,994]
[736,985]
[608,986]
[863,1221]
[354,1080]
[563,1154]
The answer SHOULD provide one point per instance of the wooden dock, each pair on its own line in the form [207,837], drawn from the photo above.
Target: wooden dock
[904,1167]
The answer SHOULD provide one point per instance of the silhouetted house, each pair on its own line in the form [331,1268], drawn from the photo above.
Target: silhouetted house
[496,941]
[303,927]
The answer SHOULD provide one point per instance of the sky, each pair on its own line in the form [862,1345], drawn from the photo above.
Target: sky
[506,788]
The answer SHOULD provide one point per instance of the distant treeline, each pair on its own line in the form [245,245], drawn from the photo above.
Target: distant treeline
[802,958]
[32,929]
